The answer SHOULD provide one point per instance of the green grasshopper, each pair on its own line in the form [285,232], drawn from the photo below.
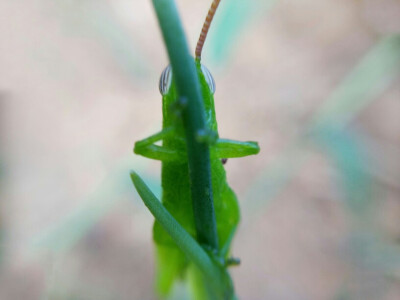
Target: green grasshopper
[176,195]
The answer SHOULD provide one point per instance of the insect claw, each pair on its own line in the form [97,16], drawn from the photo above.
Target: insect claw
[232,261]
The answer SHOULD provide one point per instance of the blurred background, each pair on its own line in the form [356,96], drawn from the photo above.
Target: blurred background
[317,83]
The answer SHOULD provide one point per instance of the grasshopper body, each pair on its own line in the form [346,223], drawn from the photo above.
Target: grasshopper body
[175,178]
[189,241]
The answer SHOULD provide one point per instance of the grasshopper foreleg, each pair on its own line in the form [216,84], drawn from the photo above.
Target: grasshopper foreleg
[149,149]
[225,148]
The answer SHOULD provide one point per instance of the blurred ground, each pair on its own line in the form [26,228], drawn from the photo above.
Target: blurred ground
[78,85]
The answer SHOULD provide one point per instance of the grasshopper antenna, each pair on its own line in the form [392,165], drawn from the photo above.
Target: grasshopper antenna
[206,26]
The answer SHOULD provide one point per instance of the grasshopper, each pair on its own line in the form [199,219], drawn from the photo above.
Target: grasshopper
[172,263]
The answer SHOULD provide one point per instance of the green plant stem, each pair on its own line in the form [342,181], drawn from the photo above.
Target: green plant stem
[188,87]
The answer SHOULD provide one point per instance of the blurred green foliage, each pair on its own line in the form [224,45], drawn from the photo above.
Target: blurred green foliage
[328,131]
[233,17]
[96,19]
[369,78]
[114,188]
[345,148]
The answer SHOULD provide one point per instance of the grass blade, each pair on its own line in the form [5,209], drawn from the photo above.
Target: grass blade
[182,238]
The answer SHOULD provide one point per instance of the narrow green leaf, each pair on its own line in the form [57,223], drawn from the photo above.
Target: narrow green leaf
[184,240]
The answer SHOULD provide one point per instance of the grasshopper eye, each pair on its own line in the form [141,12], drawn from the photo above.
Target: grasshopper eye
[209,79]
[166,79]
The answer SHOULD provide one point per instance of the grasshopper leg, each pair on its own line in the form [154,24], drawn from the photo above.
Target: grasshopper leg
[225,148]
[147,147]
